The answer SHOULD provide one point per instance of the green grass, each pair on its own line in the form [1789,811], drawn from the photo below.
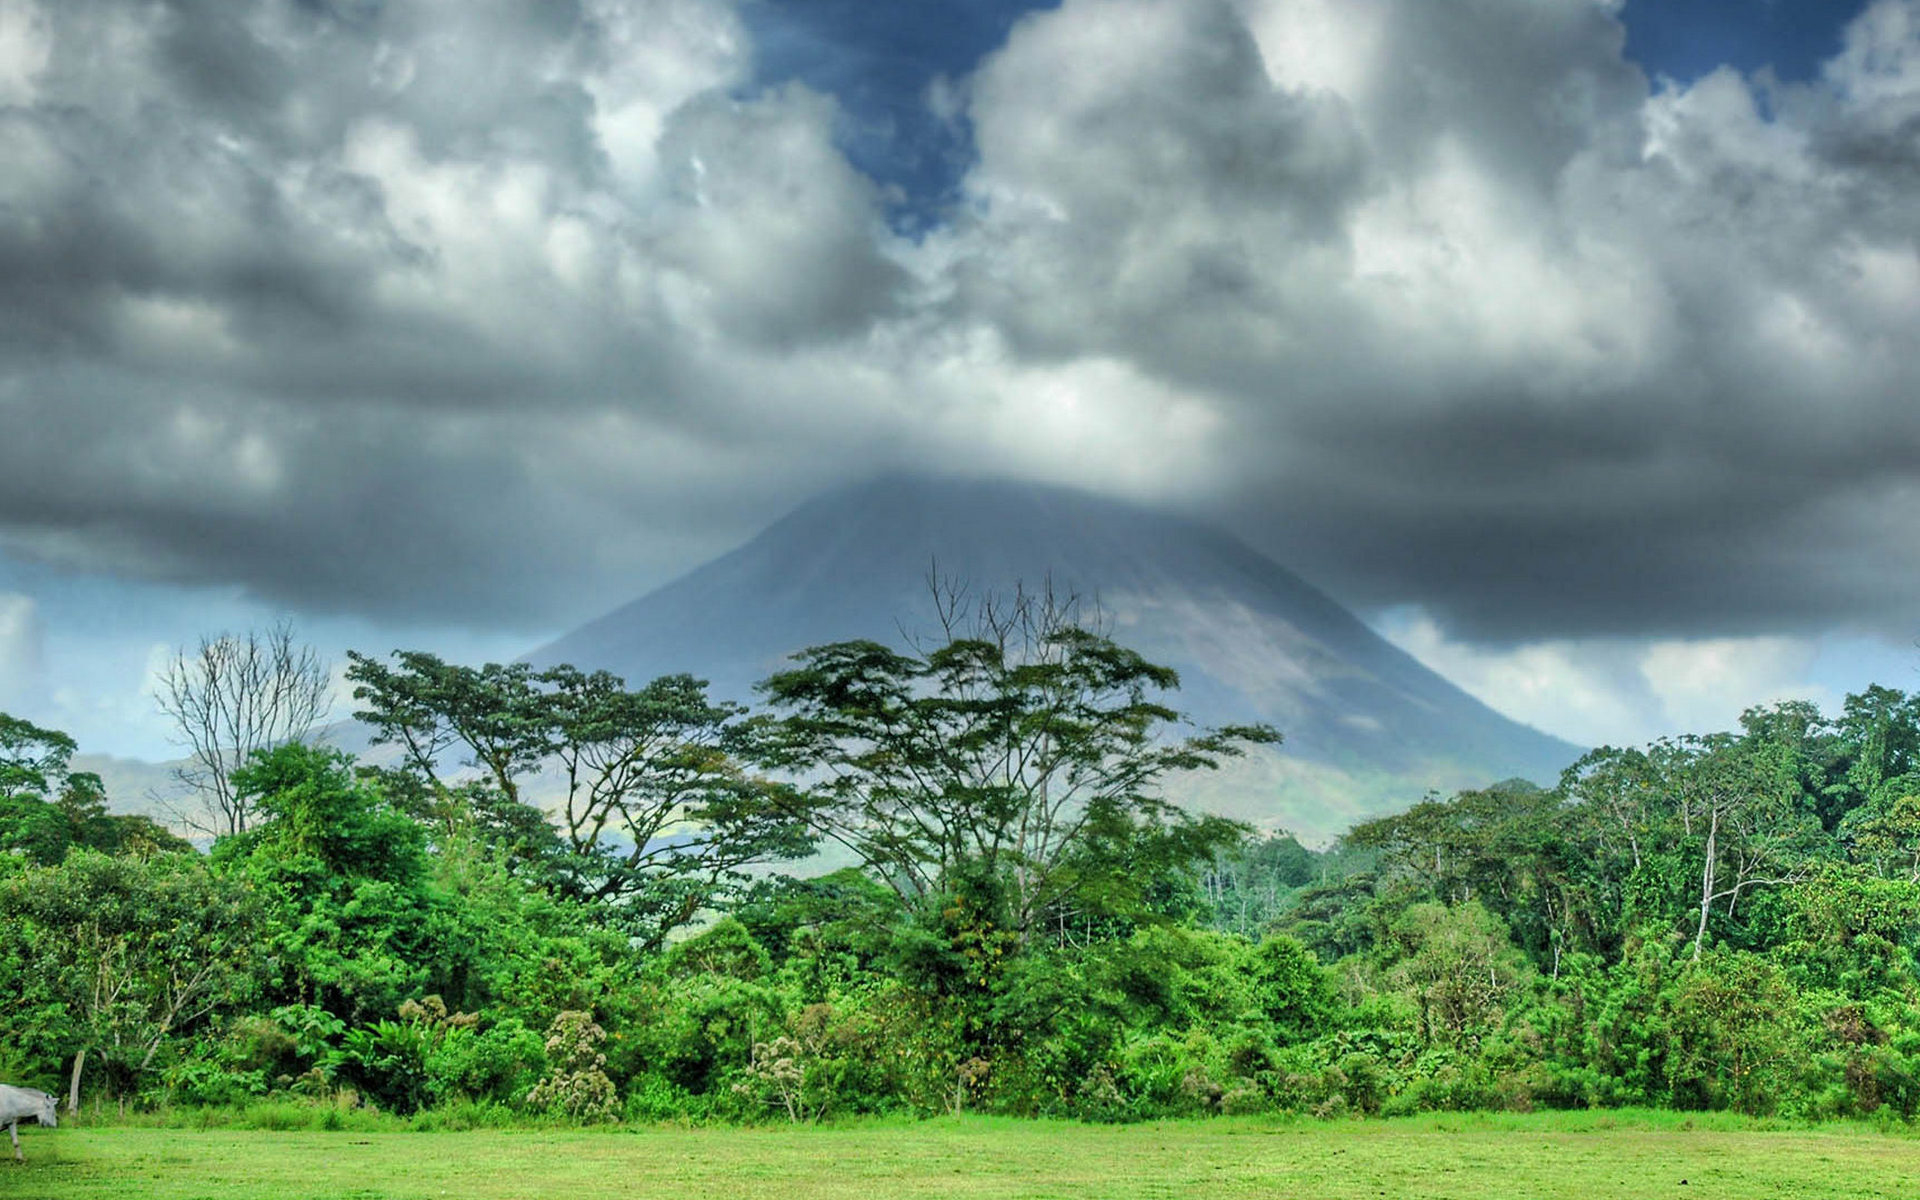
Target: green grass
[1459,1158]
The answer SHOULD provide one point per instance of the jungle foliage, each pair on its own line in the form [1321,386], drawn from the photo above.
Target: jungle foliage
[1027,922]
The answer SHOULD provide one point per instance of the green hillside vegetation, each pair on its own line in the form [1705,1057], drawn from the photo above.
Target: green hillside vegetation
[1035,926]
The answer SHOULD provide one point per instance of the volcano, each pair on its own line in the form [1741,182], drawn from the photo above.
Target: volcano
[1368,729]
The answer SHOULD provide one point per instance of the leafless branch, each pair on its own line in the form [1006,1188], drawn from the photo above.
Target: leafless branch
[232,696]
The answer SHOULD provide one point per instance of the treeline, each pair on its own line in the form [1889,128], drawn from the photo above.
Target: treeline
[597,915]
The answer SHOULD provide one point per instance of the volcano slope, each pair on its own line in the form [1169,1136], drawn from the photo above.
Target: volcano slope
[1368,729]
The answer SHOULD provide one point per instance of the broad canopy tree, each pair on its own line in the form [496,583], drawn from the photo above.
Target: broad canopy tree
[120,955]
[47,809]
[32,760]
[1024,749]
[655,813]
[1685,831]
[1520,851]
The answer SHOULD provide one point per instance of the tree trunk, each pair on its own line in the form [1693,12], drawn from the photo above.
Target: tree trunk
[1706,885]
[73,1082]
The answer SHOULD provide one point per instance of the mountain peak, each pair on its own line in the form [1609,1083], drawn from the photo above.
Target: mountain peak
[1368,728]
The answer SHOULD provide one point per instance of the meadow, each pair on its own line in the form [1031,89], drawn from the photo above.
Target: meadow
[1454,1157]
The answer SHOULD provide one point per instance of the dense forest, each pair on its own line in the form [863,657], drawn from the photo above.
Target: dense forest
[954,878]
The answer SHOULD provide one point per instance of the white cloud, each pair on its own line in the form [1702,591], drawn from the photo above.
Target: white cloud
[1588,694]
[22,653]
[25,46]
[1705,685]
[1629,691]
[105,700]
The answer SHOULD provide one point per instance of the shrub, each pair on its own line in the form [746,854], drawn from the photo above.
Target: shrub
[576,1084]
[1734,1042]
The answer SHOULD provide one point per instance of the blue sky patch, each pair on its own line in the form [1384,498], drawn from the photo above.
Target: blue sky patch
[1685,39]
[880,61]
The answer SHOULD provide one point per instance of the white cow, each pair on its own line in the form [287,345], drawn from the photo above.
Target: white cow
[17,1104]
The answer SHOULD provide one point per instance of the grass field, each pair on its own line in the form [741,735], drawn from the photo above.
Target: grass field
[1510,1158]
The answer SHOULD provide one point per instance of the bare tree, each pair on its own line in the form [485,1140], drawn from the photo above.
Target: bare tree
[234,695]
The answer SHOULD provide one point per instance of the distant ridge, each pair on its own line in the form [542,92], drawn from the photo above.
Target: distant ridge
[1368,729]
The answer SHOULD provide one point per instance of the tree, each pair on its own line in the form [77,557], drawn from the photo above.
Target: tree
[82,805]
[312,808]
[1018,753]
[1619,792]
[1459,967]
[1515,848]
[1887,835]
[33,760]
[1737,804]
[234,695]
[1292,990]
[1733,1037]
[652,791]
[1876,758]
[132,954]
[46,809]
[33,763]
[1810,750]
[350,920]
[1249,884]
[656,815]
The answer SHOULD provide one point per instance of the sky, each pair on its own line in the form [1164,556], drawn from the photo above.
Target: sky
[1570,342]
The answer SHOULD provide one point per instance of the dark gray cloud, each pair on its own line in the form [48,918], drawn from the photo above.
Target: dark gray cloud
[1560,355]
[491,312]
[412,308]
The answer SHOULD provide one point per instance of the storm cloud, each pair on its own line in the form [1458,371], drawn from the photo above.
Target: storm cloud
[495,312]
